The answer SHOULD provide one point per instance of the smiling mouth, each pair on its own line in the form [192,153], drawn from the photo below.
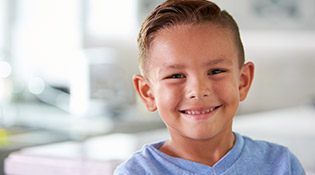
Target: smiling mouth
[199,111]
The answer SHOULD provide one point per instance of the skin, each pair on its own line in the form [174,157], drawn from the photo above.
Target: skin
[196,84]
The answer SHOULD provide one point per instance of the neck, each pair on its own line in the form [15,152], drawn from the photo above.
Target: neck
[206,151]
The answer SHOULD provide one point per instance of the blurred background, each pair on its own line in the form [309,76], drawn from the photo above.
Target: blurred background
[66,96]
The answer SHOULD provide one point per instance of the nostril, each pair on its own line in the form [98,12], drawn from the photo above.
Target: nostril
[193,96]
[199,93]
[198,96]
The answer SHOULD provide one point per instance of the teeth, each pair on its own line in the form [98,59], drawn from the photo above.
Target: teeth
[191,112]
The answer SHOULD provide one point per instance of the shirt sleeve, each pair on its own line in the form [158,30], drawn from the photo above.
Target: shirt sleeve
[295,165]
[129,167]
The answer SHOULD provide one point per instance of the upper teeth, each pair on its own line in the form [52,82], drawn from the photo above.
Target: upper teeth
[198,112]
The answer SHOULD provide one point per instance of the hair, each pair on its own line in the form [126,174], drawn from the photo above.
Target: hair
[177,12]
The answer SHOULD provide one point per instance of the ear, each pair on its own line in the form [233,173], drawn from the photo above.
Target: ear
[246,79]
[144,90]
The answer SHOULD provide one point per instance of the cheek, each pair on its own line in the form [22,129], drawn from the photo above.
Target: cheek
[168,96]
[227,91]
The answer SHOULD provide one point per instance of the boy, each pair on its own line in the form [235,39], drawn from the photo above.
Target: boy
[193,73]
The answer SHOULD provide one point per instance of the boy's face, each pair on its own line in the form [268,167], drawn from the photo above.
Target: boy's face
[194,80]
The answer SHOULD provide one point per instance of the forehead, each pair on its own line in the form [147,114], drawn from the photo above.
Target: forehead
[187,42]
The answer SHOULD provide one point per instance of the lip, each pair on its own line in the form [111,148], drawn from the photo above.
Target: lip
[200,113]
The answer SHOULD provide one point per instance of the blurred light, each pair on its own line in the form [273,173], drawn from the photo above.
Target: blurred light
[5,69]
[79,86]
[107,18]
[45,34]
[36,85]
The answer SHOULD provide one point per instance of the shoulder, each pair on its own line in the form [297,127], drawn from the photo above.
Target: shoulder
[271,155]
[261,147]
[139,162]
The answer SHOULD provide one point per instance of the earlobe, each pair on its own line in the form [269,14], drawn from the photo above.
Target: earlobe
[144,90]
[246,79]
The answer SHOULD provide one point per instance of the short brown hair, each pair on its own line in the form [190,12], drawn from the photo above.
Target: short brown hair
[176,12]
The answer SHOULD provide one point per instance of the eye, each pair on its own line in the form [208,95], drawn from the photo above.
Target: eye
[215,71]
[176,76]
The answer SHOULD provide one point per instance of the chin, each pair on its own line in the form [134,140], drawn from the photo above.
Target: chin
[201,135]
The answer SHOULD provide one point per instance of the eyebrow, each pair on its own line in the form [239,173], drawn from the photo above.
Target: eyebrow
[218,61]
[208,63]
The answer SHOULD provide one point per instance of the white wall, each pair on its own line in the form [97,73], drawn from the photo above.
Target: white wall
[284,75]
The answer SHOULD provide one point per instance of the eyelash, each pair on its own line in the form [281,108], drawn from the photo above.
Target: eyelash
[176,76]
[216,71]
[210,72]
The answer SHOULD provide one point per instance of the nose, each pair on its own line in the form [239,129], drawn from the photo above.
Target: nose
[199,88]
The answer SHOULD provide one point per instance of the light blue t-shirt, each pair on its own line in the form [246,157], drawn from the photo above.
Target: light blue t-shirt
[247,157]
